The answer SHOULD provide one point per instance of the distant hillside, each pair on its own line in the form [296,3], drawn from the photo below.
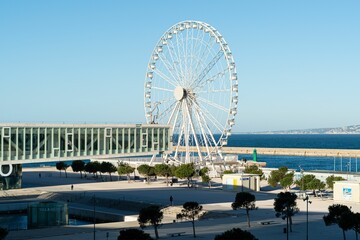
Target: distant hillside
[355,129]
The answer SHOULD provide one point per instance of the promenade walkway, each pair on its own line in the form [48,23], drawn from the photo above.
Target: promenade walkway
[216,201]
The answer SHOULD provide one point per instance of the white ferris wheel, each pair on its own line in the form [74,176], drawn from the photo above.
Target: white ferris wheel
[191,84]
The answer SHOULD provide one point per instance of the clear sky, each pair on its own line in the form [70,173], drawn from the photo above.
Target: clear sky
[84,61]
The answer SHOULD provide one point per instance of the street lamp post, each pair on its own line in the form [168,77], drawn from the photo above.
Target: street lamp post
[307,216]
[348,166]
[94,217]
[302,180]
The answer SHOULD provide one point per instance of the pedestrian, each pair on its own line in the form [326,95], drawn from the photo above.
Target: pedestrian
[171,200]
[72,187]
[39,175]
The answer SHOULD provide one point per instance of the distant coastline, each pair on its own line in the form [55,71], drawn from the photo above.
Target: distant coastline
[354,129]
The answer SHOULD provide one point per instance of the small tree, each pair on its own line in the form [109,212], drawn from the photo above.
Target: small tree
[62,166]
[287,180]
[205,176]
[146,171]
[185,171]
[316,184]
[276,176]
[191,210]
[331,179]
[235,233]
[303,182]
[254,169]
[334,216]
[356,226]
[133,234]
[126,169]
[3,233]
[173,169]
[97,168]
[90,168]
[108,167]
[285,206]
[348,221]
[244,200]
[228,172]
[151,215]
[163,170]
[78,166]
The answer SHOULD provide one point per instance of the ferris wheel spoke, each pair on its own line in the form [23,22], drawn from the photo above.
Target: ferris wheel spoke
[203,133]
[179,140]
[181,66]
[214,91]
[211,79]
[165,77]
[208,130]
[162,89]
[167,110]
[209,116]
[193,131]
[208,45]
[195,44]
[181,50]
[176,112]
[169,68]
[172,54]
[165,100]
[215,105]
[176,59]
[186,53]
[208,67]
[212,118]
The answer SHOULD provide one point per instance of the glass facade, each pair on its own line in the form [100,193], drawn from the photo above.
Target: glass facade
[45,214]
[62,142]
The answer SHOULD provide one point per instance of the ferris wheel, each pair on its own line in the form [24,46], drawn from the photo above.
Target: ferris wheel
[191,84]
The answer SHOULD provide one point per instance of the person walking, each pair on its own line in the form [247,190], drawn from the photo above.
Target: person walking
[171,200]
[72,187]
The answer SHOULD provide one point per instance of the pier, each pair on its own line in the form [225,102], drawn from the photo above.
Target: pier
[353,153]
[294,151]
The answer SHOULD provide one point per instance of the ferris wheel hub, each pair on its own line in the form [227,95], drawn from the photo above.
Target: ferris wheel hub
[179,93]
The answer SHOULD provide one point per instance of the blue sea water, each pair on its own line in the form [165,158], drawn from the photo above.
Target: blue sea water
[319,141]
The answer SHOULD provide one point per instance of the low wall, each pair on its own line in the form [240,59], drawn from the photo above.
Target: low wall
[87,214]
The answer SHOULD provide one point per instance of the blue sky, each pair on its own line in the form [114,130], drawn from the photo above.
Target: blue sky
[84,61]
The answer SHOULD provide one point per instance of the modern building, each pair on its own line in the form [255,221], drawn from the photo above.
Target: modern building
[241,182]
[37,143]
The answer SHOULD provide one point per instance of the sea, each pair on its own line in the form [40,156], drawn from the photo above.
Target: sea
[315,141]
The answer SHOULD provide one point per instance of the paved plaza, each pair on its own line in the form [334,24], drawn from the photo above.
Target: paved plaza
[216,201]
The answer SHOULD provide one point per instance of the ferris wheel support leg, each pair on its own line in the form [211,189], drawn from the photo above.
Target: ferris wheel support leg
[152,159]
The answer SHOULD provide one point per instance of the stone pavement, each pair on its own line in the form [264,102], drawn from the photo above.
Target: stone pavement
[221,217]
